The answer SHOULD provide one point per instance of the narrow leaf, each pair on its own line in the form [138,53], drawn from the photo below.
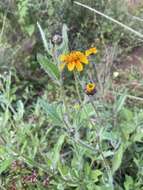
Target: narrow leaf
[117,160]
[5,164]
[46,45]
[57,149]
[121,102]
[63,48]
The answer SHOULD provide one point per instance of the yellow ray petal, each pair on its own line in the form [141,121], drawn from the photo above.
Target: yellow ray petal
[87,53]
[84,60]
[71,66]
[79,66]
[90,51]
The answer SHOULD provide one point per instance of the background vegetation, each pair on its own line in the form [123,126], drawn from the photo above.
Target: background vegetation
[46,143]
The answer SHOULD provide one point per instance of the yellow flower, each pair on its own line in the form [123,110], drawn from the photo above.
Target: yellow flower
[90,88]
[91,51]
[74,60]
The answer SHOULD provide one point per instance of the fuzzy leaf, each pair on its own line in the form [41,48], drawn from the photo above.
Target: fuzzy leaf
[57,149]
[120,102]
[63,47]
[117,160]
[49,68]
[46,44]
[51,111]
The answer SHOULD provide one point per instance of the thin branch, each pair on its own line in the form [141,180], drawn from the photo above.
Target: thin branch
[111,19]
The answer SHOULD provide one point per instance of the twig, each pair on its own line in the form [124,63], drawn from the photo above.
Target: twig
[129,96]
[111,19]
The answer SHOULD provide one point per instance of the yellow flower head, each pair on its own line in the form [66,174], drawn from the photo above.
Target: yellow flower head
[91,51]
[74,60]
[90,88]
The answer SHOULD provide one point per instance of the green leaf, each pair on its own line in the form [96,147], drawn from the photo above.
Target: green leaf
[2,151]
[30,29]
[117,160]
[86,112]
[107,187]
[5,164]
[127,114]
[95,175]
[20,111]
[60,187]
[46,44]
[106,154]
[49,68]
[63,169]
[138,136]
[57,149]
[129,183]
[63,47]
[51,111]
[120,102]
[127,129]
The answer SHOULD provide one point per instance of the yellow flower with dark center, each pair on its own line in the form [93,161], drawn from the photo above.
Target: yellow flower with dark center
[90,88]
[74,60]
[91,51]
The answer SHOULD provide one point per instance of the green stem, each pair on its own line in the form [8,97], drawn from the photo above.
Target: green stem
[63,99]
[108,169]
[77,88]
